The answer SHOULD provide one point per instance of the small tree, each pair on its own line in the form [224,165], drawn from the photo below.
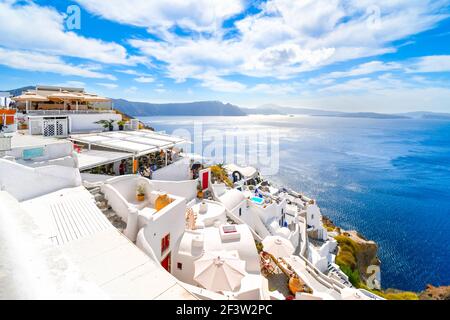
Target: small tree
[107,124]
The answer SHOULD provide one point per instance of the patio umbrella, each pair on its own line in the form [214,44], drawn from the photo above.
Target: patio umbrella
[219,271]
[65,95]
[278,246]
[94,98]
[29,96]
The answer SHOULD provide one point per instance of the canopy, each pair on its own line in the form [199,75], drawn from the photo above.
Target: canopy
[94,98]
[247,172]
[65,95]
[278,246]
[138,143]
[220,271]
[30,96]
[93,158]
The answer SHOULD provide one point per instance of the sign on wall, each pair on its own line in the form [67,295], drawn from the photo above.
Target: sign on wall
[28,154]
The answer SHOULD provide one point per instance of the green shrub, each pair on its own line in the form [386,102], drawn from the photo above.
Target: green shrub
[353,275]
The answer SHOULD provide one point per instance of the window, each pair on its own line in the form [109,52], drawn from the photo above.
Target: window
[179,266]
[240,212]
[165,243]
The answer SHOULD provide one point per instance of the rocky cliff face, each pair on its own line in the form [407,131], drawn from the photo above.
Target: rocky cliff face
[356,254]
[435,293]
[365,254]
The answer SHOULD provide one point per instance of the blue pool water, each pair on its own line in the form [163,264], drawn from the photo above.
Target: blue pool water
[257,200]
[388,179]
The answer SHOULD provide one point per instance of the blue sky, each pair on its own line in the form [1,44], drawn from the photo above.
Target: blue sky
[352,55]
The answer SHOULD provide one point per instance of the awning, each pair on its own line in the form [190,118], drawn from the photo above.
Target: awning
[30,96]
[247,172]
[89,159]
[138,143]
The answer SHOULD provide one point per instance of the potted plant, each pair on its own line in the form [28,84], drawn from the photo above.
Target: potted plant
[140,192]
[199,191]
[121,124]
[107,124]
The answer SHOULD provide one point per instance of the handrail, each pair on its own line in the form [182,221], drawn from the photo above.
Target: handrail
[63,112]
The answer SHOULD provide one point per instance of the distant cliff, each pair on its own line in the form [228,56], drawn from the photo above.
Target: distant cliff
[202,108]
[217,108]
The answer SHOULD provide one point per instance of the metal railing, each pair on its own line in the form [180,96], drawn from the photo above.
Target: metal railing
[65,112]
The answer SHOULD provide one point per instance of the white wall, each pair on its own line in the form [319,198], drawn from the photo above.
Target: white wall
[25,183]
[313,216]
[169,220]
[177,171]
[51,151]
[186,189]
[86,122]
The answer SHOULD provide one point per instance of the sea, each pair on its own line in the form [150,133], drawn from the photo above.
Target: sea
[389,179]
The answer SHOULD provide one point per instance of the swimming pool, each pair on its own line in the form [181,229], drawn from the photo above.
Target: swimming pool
[257,200]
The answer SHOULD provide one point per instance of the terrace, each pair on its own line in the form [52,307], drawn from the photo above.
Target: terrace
[48,100]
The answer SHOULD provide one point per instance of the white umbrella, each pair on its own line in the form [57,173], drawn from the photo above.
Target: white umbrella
[30,96]
[219,271]
[278,246]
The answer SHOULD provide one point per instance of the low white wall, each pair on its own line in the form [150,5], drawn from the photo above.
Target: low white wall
[177,171]
[51,151]
[25,183]
[86,122]
[126,185]
[186,189]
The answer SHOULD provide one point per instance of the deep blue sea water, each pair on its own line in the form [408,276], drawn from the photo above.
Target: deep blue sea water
[388,179]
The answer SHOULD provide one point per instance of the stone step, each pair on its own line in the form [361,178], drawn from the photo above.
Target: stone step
[99,197]
[94,190]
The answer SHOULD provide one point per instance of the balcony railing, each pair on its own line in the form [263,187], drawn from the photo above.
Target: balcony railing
[65,112]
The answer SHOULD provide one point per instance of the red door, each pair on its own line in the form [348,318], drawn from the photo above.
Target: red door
[205,180]
[166,262]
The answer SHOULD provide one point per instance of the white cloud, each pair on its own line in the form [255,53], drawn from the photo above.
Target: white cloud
[363,85]
[31,61]
[131,89]
[144,79]
[219,84]
[159,16]
[366,68]
[430,64]
[108,85]
[72,83]
[388,100]
[275,89]
[27,26]
[360,70]
[289,37]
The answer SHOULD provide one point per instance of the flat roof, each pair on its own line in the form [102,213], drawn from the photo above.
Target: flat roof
[138,142]
[89,159]
[100,255]
[25,140]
